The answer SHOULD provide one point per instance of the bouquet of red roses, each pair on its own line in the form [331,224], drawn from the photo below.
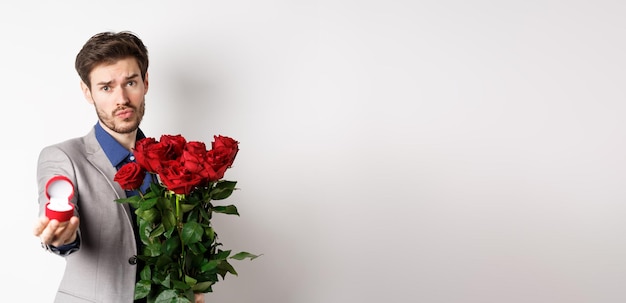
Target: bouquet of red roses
[181,252]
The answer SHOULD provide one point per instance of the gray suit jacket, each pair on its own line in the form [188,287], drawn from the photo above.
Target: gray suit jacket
[103,269]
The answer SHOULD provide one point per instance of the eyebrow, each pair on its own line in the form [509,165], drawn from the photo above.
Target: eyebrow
[109,82]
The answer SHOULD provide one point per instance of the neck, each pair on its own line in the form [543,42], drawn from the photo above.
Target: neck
[127,140]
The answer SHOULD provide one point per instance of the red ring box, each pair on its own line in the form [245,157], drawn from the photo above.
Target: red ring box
[59,191]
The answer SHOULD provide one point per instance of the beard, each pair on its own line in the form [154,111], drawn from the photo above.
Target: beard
[124,126]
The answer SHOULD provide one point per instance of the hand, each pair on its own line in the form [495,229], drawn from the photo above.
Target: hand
[199,298]
[53,232]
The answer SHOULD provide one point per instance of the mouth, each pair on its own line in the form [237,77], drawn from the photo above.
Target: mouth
[124,113]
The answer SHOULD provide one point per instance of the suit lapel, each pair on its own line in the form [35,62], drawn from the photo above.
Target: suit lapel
[97,157]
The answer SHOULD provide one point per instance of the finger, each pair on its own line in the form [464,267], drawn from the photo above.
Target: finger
[68,231]
[65,233]
[199,298]
[72,223]
[40,224]
[48,233]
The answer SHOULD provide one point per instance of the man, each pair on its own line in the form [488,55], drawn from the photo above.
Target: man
[99,242]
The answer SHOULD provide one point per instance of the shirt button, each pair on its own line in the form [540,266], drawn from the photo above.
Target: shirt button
[132,260]
[132,158]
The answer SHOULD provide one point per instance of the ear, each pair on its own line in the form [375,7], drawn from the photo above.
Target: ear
[86,92]
[145,84]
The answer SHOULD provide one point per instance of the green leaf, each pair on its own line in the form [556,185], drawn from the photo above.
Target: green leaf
[159,230]
[166,203]
[146,273]
[203,287]
[197,248]
[187,207]
[210,232]
[229,210]
[170,245]
[211,265]
[142,289]
[133,200]
[148,203]
[225,184]
[223,189]
[156,189]
[180,285]
[152,250]
[149,215]
[169,219]
[192,232]
[205,214]
[221,255]
[122,200]
[167,281]
[190,281]
[145,229]
[170,296]
[243,255]
[225,267]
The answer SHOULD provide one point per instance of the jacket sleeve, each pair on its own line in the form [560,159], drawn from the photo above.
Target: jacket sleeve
[54,161]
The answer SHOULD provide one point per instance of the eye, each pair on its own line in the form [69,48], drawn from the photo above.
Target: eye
[131,83]
[106,88]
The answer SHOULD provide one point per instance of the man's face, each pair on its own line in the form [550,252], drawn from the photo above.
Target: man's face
[118,94]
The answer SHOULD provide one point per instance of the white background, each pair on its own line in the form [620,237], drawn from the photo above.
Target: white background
[391,151]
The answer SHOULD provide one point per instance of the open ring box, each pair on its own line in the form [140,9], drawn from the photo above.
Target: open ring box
[59,191]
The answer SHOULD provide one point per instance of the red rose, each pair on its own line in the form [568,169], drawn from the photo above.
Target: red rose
[149,153]
[194,159]
[178,180]
[228,148]
[219,160]
[183,165]
[130,176]
[173,145]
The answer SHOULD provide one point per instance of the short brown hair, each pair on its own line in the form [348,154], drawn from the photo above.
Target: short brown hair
[109,47]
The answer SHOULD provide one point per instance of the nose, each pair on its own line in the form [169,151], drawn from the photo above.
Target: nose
[121,96]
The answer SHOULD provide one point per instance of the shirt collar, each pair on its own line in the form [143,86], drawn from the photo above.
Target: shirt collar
[116,153]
